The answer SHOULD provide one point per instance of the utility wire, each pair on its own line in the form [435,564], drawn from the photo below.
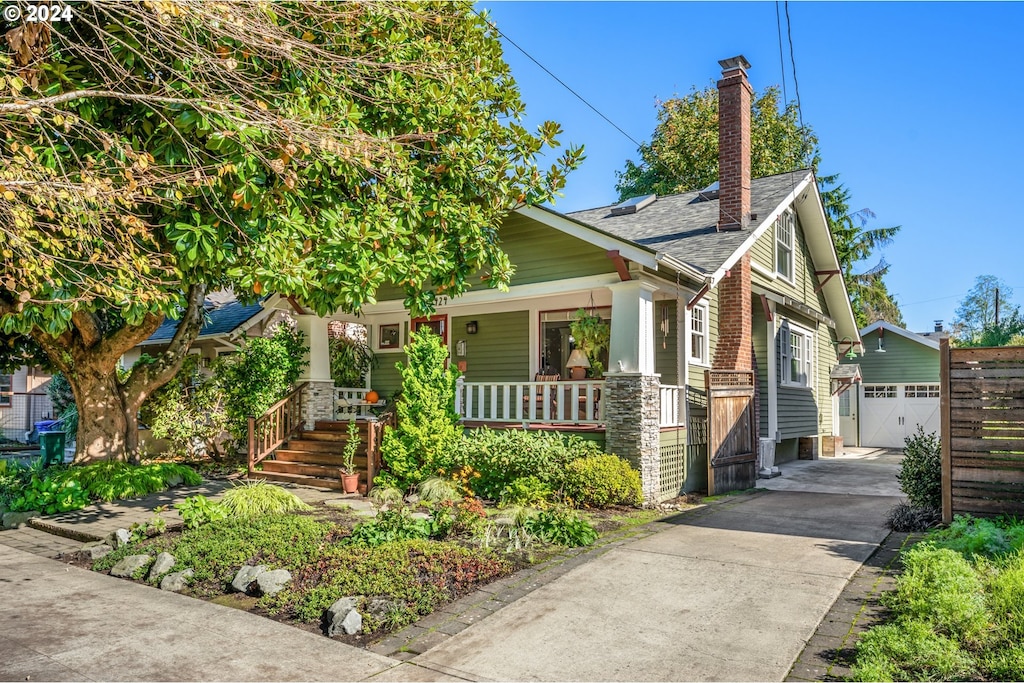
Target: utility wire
[782,58]
[792,61]
[559,80]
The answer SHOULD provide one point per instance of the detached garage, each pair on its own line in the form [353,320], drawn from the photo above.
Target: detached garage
[898,392]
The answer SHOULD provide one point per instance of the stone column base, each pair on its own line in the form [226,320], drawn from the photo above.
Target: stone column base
[317,402]
[632,412]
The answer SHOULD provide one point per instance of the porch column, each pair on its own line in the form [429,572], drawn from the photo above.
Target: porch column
[318,396]
[632,389]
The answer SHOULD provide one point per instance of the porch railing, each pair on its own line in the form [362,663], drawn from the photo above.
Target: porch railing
[574,402]
[672,414]
[350,402]
[281,422]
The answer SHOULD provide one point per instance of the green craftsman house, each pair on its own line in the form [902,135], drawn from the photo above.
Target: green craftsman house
[739,281]
[899,388]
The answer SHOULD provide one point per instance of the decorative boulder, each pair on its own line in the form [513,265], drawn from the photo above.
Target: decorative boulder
[127,567]
[245,576]
[272,582]
[96,550]
[162,565]
[343,617]
[13,520]
[120,537]
[176,581]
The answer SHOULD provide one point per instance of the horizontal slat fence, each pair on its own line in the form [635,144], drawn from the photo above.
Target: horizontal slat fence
[982,408]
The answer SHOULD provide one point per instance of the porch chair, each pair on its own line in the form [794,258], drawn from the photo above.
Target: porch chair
[539,397]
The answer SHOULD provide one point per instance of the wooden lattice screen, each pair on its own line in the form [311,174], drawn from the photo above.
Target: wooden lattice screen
[982,409]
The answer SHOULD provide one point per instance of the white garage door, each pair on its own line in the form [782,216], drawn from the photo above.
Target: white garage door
[891,412]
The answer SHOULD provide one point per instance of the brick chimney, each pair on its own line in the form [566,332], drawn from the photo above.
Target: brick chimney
[735,317]
[734,94]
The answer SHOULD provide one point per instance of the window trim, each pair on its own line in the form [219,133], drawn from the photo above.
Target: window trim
[7,397]
[705,336]
[790,219]
[807,358]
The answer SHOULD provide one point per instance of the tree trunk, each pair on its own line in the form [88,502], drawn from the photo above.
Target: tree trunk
[103,421]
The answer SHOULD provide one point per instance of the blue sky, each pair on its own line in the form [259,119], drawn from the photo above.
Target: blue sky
[918,106]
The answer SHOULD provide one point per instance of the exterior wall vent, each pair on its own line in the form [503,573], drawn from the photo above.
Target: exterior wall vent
[634,204]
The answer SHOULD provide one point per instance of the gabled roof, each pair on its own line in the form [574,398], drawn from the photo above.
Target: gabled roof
[221,319]
[907,334]
[685,225]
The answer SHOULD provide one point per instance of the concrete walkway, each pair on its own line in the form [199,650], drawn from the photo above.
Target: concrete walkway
[731,591]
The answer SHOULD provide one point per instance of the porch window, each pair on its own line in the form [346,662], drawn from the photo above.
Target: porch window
[784,229]
[796,347]
[556,342]
[6,390]
[699,334]
[437,323]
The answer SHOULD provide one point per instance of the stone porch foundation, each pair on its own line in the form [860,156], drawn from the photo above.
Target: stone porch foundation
[632,415]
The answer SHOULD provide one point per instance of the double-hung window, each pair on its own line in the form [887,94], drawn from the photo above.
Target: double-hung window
[699,335]
[785,227]
[796,351]
[6,390]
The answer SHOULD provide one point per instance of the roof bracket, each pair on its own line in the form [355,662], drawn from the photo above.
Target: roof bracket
[698,296]
[295,305]
[621,266]
[767,309]
[829,273]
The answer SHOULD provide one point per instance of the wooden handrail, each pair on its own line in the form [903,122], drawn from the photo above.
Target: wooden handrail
[279,423]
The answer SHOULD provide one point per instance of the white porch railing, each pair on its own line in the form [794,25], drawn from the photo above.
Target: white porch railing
[672,414]
[350,402]
[573,402]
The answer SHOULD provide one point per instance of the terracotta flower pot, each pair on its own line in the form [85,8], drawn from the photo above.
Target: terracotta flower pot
[350,482]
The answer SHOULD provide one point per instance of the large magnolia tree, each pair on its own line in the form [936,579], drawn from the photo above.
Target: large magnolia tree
[155,150]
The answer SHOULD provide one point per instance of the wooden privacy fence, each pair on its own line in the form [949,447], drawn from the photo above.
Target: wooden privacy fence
[732,457]
[982,408]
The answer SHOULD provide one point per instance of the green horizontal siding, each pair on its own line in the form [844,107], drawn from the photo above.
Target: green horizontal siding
[904,361]
[759,336]
[697,371]
[826,361]
[804,280]
[499,351]
[385,379]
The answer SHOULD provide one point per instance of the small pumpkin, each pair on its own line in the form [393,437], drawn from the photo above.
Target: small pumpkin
[372,396]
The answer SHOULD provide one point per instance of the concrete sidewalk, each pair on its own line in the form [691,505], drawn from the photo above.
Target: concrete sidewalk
[729,592]
[61,623]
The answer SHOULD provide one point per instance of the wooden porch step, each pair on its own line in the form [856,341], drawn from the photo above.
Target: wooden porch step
[313,445]
[340,426]
[315,458]
[324,436]
[301,479]
[308,469]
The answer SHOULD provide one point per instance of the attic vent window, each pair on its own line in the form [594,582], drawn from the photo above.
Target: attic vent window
[634,204]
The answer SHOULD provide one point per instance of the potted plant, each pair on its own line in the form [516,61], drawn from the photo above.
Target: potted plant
[592,335]
[349,474]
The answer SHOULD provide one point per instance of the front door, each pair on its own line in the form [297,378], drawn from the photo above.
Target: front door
[848,417]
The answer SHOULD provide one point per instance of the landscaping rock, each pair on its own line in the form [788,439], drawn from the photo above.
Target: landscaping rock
[13,520]
[354,504]
[412,499]
[95,550]
[175,480]
[343,617]
[246,575]
[272,582]
[129,565]
[380,608]
[162,565]
[120,537]
[419,515]
[176,581]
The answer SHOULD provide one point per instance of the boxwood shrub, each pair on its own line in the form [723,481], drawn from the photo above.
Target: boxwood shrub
[600,481]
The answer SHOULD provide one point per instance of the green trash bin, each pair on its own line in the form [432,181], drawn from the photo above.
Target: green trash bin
[52,446]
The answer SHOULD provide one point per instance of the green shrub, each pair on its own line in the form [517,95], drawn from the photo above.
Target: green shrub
[188,412]
[499,457]
[351,360]
[980,537]
[50,495]
[600,481]
[527,491]
[254,498]
[465,517]
[13,480]
[920,474]
[1005,600]
[389,526]
[422,444]
[939,587]
[198,510]
[910,650]
[906,517]
[561,526]
[437,489]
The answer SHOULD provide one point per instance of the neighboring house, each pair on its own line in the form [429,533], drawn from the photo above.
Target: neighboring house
[23,402]
[226,320]
[744,277]
[899,388]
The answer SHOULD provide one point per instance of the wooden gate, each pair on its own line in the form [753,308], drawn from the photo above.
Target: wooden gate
[982,407]
[732,458]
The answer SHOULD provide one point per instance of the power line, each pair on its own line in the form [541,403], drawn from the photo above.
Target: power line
[559,80]
[782,58]
[792,61]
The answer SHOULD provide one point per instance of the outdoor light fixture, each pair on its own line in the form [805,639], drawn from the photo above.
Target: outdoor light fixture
[881,341]
[471,327]
[850,353]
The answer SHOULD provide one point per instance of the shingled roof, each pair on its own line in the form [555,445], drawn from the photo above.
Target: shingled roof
[684,225]
[220,319]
